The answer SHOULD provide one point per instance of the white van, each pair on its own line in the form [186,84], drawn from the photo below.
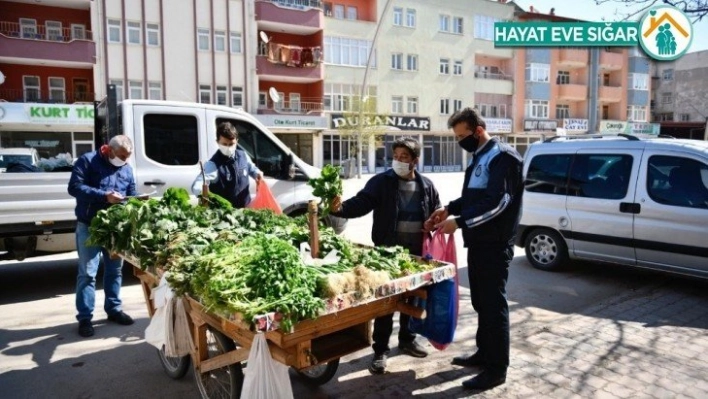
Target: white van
[20,155]
[620,199]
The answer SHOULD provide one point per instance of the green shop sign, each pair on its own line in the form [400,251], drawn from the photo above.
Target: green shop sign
[64,114]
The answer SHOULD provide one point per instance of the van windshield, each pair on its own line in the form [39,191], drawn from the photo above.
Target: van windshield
[5,160]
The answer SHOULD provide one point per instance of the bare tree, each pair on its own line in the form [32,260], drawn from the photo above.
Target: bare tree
[694,9]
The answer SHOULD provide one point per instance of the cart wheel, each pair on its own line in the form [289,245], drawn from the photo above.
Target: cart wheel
[175,367]
[225,382]
[321,373]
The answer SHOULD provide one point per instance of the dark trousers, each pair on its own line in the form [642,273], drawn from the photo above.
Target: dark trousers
[488,273]
[383,327]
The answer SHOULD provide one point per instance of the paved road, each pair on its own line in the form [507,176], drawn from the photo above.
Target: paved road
[593,331]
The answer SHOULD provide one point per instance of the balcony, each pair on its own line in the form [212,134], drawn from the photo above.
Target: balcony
[572,92]
[293,108]
[304,17]
[611,61]
[573,58]
[610,94]
[493,83]
[51,97]
[53,45]
[285,70]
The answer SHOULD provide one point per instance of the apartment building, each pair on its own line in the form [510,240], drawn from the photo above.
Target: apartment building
[47,61]
[554,89]
[679,98]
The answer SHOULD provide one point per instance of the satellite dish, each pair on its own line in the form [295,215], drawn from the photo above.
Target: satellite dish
[274,95]
[2,78]
[264,37]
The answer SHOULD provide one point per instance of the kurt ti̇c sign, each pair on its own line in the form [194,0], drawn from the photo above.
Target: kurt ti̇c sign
[665,33]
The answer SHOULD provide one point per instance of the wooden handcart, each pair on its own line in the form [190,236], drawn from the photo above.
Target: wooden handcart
[313,348]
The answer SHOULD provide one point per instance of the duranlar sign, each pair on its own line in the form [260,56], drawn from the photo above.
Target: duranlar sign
[63,114]
[340,121]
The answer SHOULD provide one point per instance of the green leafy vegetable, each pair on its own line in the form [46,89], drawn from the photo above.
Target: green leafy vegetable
[327,186]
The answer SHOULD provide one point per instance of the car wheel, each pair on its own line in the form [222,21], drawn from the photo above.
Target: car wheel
[546,249]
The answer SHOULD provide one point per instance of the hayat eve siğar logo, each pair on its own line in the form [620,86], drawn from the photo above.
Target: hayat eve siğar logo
[666,33]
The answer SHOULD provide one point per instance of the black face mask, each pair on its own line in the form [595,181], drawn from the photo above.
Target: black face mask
[469,143]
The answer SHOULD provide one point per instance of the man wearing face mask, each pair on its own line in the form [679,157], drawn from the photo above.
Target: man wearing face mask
[402,199]
[228,169]
[488,213]
[98,180]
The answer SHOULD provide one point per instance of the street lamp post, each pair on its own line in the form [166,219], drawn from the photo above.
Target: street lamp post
[362,99]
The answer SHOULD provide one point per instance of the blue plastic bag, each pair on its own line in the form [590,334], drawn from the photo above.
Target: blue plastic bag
[441,314]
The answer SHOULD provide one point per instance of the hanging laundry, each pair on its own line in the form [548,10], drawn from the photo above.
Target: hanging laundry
[284,54]
[295,56]
[273,52]
[306,57]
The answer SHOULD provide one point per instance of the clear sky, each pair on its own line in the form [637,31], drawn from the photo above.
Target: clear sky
[611,11]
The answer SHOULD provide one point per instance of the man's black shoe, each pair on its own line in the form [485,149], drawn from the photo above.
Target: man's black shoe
[121,318]
[85,328]
[468,361]
[378,364]
[485,380]
[412,349]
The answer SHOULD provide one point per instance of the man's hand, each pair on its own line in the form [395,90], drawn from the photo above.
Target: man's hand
[336,204]
[436,217]
[448,226]
[259,178]
[114,198]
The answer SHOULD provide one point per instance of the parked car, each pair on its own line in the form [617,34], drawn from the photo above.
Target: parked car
[620,199]
[18,155]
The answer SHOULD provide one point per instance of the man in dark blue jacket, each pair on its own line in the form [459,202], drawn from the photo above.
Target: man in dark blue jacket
[489,211]
[228,169]
[402,200]
[98,180]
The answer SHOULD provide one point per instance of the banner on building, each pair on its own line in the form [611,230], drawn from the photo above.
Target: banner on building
[293,121]
[540,125]
[63,114]
[613,127]
[643,128]
[341,121]
[575,125]
[498,125]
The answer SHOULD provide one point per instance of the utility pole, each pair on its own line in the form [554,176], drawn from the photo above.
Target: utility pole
[593,89]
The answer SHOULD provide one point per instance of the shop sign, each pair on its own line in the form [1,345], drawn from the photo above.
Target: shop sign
[575,125]
[613,127]
[543,125]
[498,125]
[643,128]
[340,121]
[65,114]
[293,121]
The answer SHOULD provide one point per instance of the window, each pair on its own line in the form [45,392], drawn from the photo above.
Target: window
[537,72]
[119,89]
[444,66]
[601,175]
[171,139]
[267,156]
[502,110]
[205,94]
[133,32]
[397,105]
[457,68]
[295,102]
[339,11]
[548,174]
[341,97]
[536,109]
[493,111]
[237,96]
[262,99]
[484,27]
[457,25]
[410,18]
[444,106]
[57,90]
[155,90]
[397,16]
[221,95]
[351,13]
[668,74]
[678,181]
[456,105]
[136,89]
[636,113]
[54,31]
[31,88]
[152,34]
[412,103]
[235,42]
[219,41]
[397,61]
[203,39]
[114,31]
[562,111]
[666,98]
[639,81]
[346,51]
[28,27]
[685,117]
[412,62]
[444,23]
[78,31]
[563,78]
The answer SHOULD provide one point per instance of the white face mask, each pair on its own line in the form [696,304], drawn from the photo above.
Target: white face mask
[117,162]
[227,150]
[401,168]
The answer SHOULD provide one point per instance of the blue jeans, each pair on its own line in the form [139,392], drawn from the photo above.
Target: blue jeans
[89,259]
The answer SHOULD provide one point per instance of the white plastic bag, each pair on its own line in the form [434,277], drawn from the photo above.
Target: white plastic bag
[169,327]
[265,378]
[155,331]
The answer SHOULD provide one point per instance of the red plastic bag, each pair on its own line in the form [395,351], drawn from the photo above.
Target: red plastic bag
[264,199]
[443,248]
